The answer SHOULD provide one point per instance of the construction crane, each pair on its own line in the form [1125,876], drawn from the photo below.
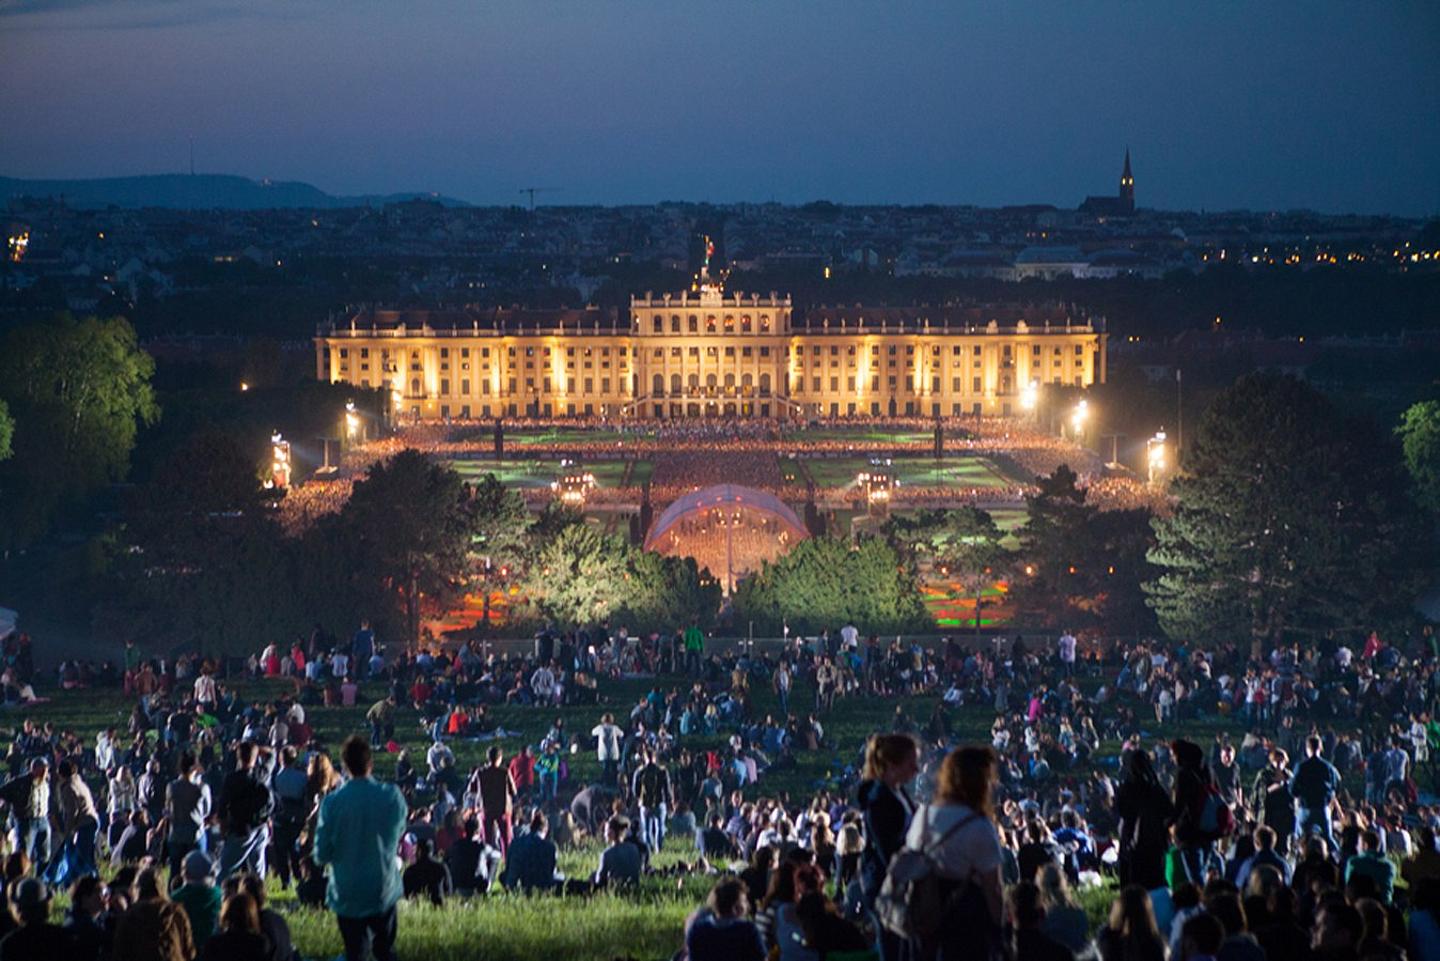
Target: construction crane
[532,191]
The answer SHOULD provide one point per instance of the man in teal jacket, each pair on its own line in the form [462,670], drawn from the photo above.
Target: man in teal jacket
[358,836]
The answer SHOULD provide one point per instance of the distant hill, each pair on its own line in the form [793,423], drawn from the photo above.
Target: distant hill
[197,192]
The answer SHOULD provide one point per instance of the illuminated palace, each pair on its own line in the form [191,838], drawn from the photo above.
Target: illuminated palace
[708,353]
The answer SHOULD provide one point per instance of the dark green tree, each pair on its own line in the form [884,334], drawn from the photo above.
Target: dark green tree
[824,582]
[412,532]
[501,526]
[1419,433]
[1291,521]
[579,575]
[201,565]
[78,391]
[666,592]
[964,544]
[1058,556]
[7,431]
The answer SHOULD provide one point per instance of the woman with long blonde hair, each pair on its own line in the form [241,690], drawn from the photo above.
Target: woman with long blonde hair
[958,829]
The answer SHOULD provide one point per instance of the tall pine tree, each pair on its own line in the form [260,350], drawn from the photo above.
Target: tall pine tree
[1292,521]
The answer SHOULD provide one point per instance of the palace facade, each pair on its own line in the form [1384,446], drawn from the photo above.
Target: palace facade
[708,353]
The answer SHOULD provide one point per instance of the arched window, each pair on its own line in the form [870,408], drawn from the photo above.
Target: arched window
[729,382]
[747,381]
[694,324]
[745,325]
[659,324]
[694,382]
[729,324]
[764,385]
[675,324]
[658,385]
[675,383]
[764,323]
[415,386]
[710,323]
[710,382]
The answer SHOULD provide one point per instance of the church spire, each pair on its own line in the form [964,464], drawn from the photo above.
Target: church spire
[1127,185]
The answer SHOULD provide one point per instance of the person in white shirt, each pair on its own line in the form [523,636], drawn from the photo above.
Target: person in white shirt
[340,664]
[607,736]
[105,749]
[1067,653]
[205,689]
[542,683]
[850,637]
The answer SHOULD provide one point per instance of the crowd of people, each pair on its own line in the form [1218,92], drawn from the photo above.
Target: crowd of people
[1298,827]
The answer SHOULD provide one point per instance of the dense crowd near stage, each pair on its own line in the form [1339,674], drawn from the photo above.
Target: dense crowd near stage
[1300,826]
[682,453]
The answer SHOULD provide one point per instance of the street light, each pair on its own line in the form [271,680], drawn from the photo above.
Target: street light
[1078,418]
[352,421]
[1155,455]
[1030,396]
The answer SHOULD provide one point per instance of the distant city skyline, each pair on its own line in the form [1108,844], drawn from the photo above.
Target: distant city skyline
[1328,106]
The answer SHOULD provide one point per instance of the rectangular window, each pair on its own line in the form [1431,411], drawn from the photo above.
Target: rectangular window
[955,385]
[444,385]
[975,385]
[764,351]
[834,383]
[444,351]
[589,385]
[465,387]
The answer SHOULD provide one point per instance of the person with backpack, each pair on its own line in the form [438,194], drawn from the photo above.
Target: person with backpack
[891,763]
[244,810]
[1143,807]
[956,905]
[1201,816]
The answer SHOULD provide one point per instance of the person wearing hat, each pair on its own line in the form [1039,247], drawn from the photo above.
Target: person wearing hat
[199,896]
[36,937]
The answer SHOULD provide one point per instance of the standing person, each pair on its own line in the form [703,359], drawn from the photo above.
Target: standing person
[656,796]
[244,811]
[1274,800]
[958,827]
[36,937]
[1193,789]
[891,762]
[497,799]
[694,648]
[1066,649]
[783,681]
[1314,786]
[362,648]
[381,718]
[187,805]
[357,835]
[608,737]
[28,795]
[79,823]
[290,812]
[1144,811]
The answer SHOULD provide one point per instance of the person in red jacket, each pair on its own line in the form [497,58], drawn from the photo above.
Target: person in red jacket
[522,772]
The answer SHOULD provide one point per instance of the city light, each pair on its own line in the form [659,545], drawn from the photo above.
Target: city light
[1079,416]
[352,420]
[279,462]
[1030,395]
[1155,456]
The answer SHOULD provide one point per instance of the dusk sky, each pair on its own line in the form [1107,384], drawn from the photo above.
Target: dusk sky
[1333,106]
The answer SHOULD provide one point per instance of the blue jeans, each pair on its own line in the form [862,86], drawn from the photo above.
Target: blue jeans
[34,837]
[244,852]
[1315,820]
[652,826]
[1195,859]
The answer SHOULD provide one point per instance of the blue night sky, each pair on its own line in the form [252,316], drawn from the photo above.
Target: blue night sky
[1329,105]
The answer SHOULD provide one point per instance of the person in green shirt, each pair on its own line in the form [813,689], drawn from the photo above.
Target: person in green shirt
[358,837]
[1372,864]
[694,648]
[199,896]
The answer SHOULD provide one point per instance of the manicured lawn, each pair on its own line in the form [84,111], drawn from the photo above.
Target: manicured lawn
[957,472]
[531,474]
